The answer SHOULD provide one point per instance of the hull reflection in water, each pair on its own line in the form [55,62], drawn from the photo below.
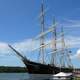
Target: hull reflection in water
[40,76]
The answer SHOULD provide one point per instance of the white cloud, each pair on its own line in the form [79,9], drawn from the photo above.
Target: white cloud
[71,23]
[77,55]
[29,45]
[73,41]
[3,48]
[23,46]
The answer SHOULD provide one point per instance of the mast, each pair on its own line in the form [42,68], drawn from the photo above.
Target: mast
[63,47]
[42,31]
[65,55]
[53,57]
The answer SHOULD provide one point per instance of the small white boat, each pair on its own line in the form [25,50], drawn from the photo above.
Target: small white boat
[62,76]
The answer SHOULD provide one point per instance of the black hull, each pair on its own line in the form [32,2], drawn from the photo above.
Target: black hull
[38,68]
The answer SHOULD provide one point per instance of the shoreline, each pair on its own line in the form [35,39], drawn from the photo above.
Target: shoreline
[8,69]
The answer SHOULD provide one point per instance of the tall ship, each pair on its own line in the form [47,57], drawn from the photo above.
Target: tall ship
[58,56]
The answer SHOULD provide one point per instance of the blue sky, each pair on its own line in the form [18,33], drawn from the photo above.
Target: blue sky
[19,23]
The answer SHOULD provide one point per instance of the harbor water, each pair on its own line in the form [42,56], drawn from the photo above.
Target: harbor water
[14,76]
[21,76]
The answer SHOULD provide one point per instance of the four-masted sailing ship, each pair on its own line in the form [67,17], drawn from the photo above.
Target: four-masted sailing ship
[42,67]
